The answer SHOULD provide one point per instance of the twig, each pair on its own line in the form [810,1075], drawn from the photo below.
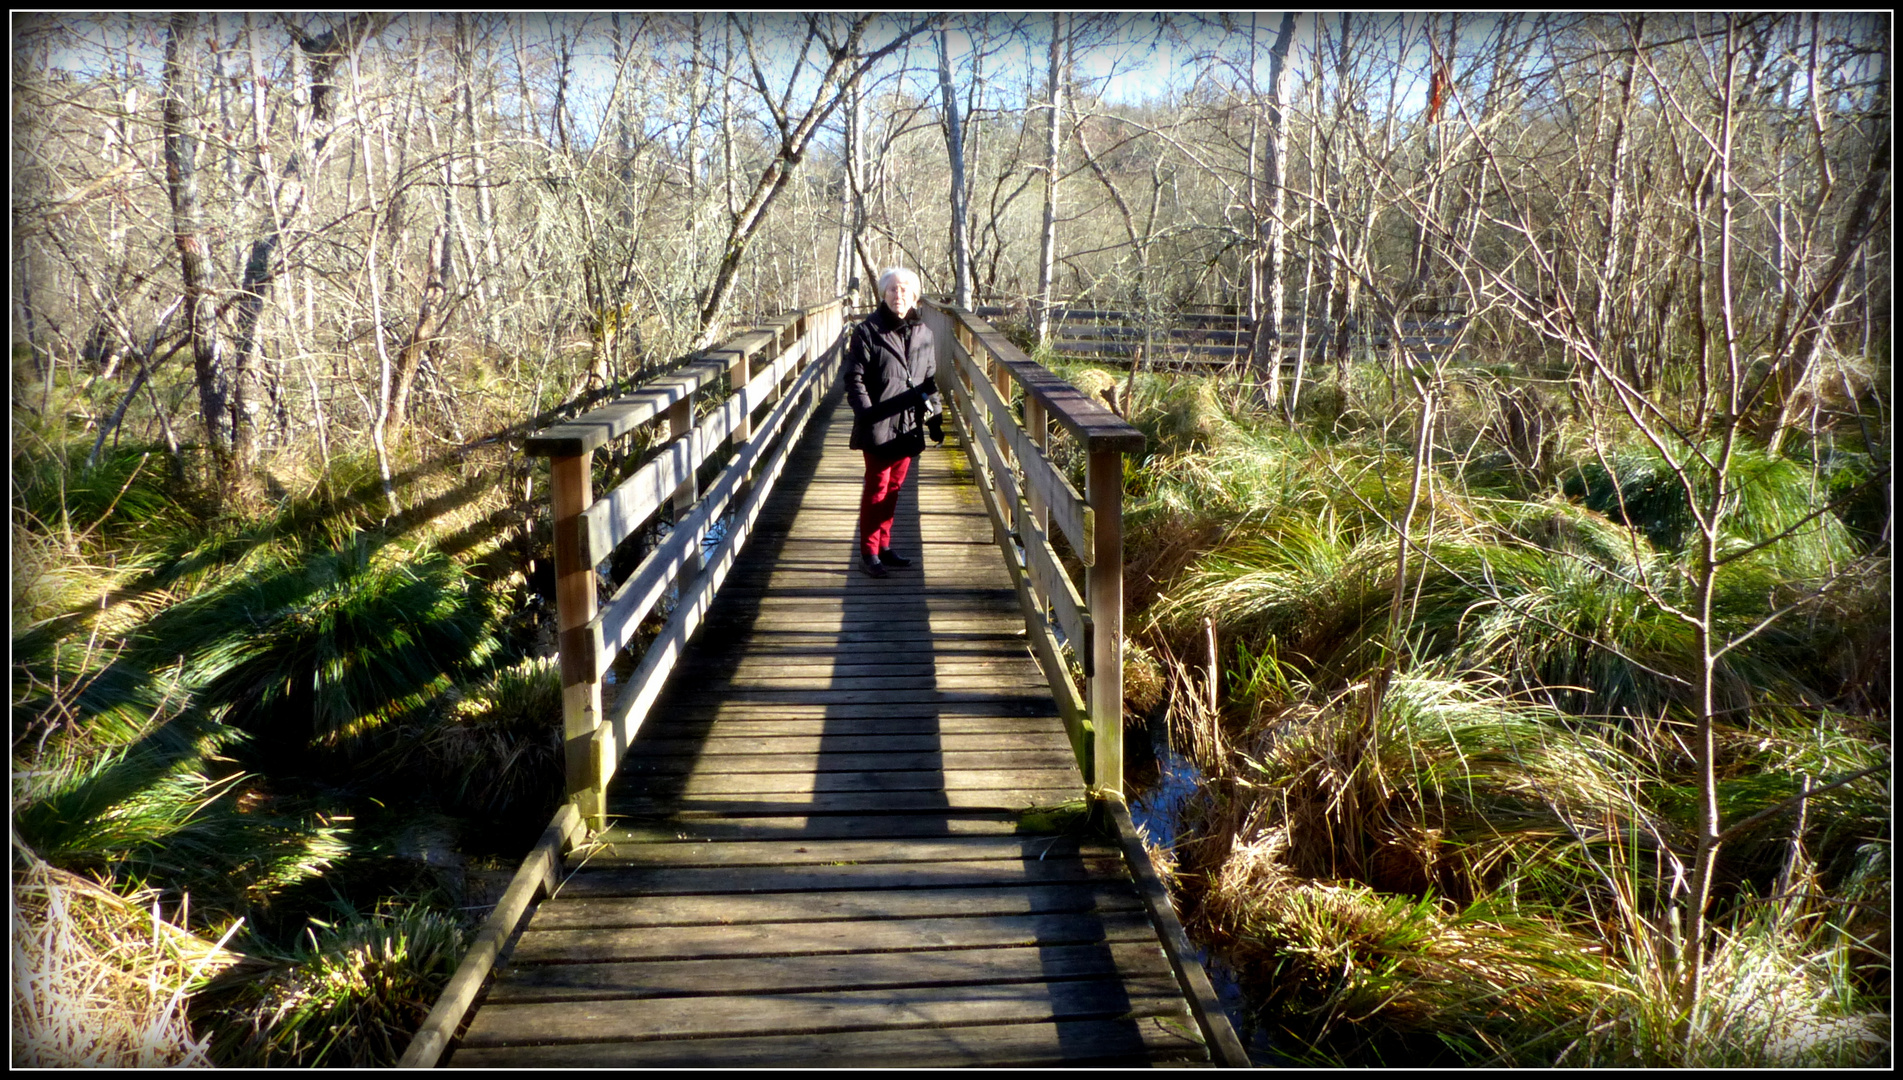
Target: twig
[1729,834]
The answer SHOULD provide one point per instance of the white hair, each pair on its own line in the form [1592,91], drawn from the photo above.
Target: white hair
[891,272]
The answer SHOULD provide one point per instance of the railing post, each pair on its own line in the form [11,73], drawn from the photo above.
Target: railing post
[1103,490]
[680,421]
[1039,428]
[739,373]
[569,484]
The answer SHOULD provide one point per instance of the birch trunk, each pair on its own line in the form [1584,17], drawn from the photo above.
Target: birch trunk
[1047,246]
[955,150]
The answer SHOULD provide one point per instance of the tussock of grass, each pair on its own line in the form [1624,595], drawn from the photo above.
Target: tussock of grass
[350,995]
[497,752]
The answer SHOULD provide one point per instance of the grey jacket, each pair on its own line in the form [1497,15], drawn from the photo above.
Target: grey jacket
[890,368]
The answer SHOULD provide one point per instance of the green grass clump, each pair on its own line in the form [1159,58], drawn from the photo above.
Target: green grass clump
[324,648]
[164,807]
[350,995]
[496,753]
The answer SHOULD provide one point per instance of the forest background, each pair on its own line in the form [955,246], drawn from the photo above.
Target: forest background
[1544,646]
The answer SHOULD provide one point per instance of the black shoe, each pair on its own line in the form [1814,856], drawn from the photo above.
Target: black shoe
[872,567]
[890,558]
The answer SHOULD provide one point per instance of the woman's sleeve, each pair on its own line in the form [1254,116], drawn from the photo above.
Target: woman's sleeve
[855,372]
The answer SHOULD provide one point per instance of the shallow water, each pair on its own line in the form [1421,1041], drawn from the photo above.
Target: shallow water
[1161,783]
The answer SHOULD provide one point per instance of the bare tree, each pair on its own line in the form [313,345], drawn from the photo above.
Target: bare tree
[846,66]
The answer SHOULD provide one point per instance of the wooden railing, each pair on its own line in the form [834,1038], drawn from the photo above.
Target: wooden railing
[1026,494]
[987,379]
[787,366]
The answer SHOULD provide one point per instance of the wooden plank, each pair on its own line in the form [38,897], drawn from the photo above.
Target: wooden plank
[839,937]
[1218,1034]
[1098,899]
[703,881]
[1026,705]
[714,738]
[720,744]
[917,660]
[1022,697]
[599,427]
[846,802]
[1056,593]
[644,763]
[538,875]
[1067,507]
[610,519]
[796,852]
[862,1010]
[527,984]
[709,733]
[1016,679]
[1034,1045]
[1088,420]
[811,704]
[717,784]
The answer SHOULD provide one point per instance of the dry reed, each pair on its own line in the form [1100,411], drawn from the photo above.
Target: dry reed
[101,980]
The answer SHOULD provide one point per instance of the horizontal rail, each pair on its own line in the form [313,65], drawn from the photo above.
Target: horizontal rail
[1068,508]
[628,506]
[1084,417]
[614,627]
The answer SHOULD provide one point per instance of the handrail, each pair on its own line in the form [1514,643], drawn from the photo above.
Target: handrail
[788,365]
[1025,495]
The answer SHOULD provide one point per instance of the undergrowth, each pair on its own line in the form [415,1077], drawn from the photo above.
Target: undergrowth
[1462,843]
[277,723]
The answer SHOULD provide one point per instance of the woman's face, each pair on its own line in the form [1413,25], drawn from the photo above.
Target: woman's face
[901,295]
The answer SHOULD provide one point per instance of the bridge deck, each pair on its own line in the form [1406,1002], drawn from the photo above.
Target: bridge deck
[820,853]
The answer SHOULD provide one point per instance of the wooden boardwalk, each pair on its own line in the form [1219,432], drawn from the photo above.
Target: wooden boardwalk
[819,850]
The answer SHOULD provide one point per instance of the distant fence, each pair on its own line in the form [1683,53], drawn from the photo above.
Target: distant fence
[1213,339]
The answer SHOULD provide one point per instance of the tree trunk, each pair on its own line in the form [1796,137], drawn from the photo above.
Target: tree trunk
[429,319]
[210,352]
[955,150]
[1047,247]
[1268,334]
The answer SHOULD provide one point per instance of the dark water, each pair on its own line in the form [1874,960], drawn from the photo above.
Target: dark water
[1162,782]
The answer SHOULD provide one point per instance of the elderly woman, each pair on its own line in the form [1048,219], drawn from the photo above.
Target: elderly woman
[889,372]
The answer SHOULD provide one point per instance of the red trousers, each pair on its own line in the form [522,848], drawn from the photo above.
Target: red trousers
[878,502]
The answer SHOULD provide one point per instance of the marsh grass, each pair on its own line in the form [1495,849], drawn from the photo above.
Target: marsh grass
[495,753]
[1461,843]
[212,705]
